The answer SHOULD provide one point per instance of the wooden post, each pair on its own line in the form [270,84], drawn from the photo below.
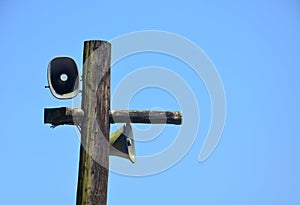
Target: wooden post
[75,116]
[94,150]
[145,116]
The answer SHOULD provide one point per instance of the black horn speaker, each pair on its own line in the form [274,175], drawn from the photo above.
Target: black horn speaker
[63,77]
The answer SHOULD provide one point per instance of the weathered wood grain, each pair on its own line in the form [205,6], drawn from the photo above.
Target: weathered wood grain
[94,150]
[58,116]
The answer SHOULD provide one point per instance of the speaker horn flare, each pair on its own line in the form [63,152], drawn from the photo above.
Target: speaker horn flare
[122,143]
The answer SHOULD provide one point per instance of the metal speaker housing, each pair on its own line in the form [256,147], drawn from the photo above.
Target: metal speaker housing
[63,77]
[122,143]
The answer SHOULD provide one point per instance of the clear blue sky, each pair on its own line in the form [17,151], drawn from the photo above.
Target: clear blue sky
[255,48]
